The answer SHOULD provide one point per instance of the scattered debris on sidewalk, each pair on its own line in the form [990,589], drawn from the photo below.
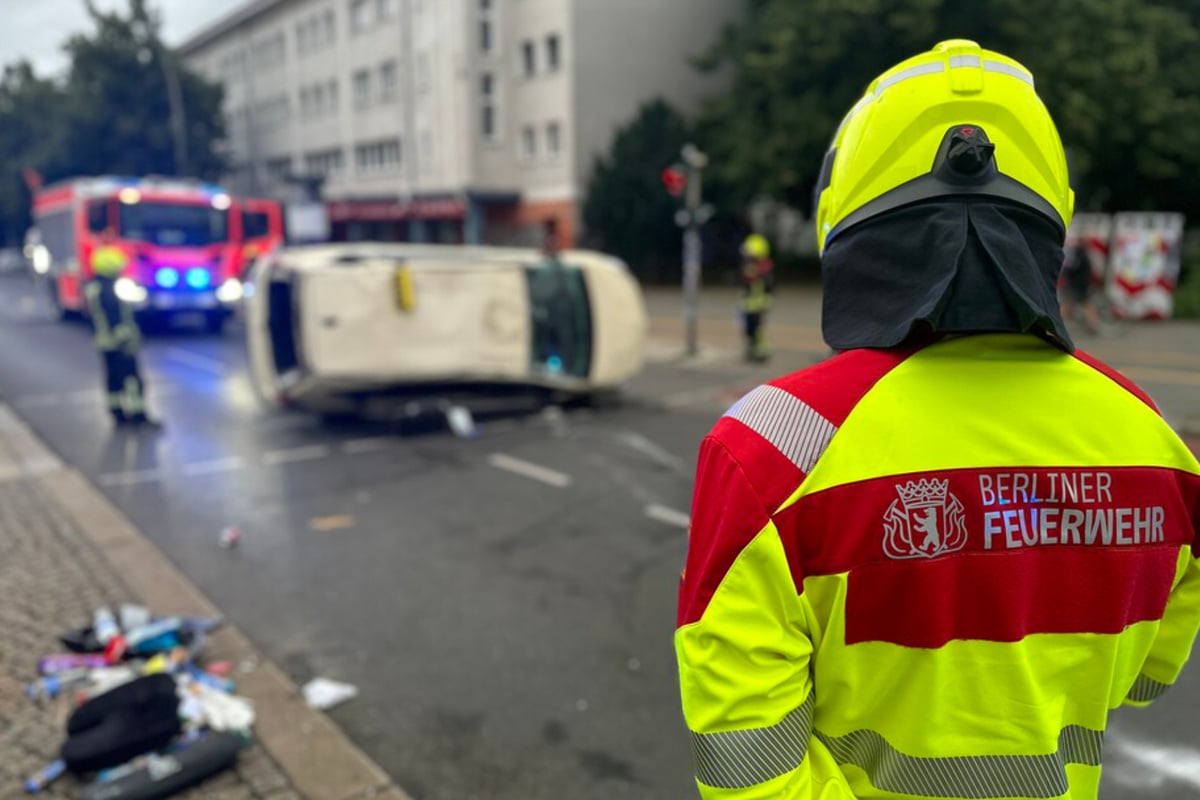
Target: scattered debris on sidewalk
[322,693]
[230,536]
[144,717]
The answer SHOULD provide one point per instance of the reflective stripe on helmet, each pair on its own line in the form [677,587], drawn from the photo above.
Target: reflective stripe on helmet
[739,759]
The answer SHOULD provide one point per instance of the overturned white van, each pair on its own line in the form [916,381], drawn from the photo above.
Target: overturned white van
[346,328]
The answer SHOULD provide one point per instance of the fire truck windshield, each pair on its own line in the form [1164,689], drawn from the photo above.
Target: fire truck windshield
[173,224]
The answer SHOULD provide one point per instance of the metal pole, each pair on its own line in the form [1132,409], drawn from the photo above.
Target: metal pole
[178,113]
[695,161]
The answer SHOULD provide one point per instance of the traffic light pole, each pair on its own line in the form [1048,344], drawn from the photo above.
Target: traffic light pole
[695,162]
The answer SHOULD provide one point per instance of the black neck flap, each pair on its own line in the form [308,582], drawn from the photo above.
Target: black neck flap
[947,266]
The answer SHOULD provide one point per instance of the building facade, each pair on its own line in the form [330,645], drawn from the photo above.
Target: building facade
[444,120]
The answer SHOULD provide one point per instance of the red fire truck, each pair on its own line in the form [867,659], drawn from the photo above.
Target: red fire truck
[189,243]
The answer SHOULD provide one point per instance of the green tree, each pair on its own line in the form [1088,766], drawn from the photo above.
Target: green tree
[1117,75]
[30,128]
[627,210]
[118,99]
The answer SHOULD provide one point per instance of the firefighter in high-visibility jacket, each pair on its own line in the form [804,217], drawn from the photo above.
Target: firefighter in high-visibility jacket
[117,337]
[932,565]
[758,286]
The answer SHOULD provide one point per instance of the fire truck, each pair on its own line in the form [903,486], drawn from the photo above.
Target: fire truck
[189,243]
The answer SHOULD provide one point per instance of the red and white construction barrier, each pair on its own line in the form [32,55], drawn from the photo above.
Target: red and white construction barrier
[1144,265]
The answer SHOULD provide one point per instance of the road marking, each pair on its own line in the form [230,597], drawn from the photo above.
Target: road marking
[652,451]
[216,465]
[337,522]
[83,397]
[132,477]
[199,362]
[1180,764]
[310,453]
[668,516]
[526,469]
[370,444]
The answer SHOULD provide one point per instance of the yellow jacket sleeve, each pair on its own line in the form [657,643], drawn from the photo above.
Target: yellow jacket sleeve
[744,651]
[1176,633]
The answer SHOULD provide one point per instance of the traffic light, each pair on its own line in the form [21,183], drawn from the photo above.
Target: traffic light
[675,180]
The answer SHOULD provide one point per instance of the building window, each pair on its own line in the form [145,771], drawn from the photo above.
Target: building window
[553,139]
[389,82]
[362,89]
[387,9]
[485,36]
[303,45]
[553,53]
[487,105]
[528,60]
[279,169]
[378,156]
[306,106]
[328,27]
[528,143]
[487,27]
[319,100]
[360,15]
[324,163]
[331,94]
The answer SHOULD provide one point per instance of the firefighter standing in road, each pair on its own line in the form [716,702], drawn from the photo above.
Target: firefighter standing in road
[758,281]
[915,570]
[116,335]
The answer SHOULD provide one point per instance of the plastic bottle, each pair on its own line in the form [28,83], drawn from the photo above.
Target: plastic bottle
[104,625]
[46,776]
[62,662]
[53,685]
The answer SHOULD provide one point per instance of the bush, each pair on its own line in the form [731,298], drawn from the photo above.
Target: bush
[1187,295]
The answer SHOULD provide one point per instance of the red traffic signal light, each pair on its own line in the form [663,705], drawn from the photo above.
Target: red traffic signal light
[675,179]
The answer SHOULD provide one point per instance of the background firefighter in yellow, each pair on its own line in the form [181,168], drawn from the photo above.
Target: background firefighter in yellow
[758,282]
[116,336]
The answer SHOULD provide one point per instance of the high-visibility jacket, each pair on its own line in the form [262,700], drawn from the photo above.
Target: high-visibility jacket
[933,573]
[758,279]
[113,320]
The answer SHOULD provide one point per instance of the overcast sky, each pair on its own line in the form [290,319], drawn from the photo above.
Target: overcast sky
[36,29]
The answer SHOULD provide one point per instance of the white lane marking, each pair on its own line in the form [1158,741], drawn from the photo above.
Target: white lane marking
[83,397]
[202,363]
[310,453]
[651,450]
[212,467]
[131,477]
[1160,763]
[530,470]
[668,516]
[371,444]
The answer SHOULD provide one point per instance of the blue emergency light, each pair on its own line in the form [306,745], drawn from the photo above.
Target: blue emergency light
[197,278]
[167,278]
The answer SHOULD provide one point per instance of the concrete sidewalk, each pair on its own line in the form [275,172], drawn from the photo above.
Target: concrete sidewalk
[66,552]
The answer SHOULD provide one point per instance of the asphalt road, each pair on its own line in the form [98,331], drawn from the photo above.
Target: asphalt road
[504,603]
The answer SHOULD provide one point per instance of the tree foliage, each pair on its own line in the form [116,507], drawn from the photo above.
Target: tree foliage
[111,114]
[627,210]
[1117,75]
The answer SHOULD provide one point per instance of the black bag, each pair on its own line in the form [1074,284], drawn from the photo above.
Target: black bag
[121,724]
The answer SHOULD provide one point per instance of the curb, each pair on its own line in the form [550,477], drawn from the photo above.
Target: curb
[311,751]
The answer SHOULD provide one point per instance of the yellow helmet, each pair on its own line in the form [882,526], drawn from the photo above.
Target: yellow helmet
[756,246]
[955,120]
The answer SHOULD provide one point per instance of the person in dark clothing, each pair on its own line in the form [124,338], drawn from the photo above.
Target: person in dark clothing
[1077,285]
[117,337]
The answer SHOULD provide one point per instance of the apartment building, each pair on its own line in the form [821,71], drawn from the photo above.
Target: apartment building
[445,120]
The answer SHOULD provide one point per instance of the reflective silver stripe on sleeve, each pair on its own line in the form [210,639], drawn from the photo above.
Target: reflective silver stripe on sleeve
[740,759]
[1007,69]
[911,72]
[1146,689]
[964,61]
[788,423]
[967,776]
